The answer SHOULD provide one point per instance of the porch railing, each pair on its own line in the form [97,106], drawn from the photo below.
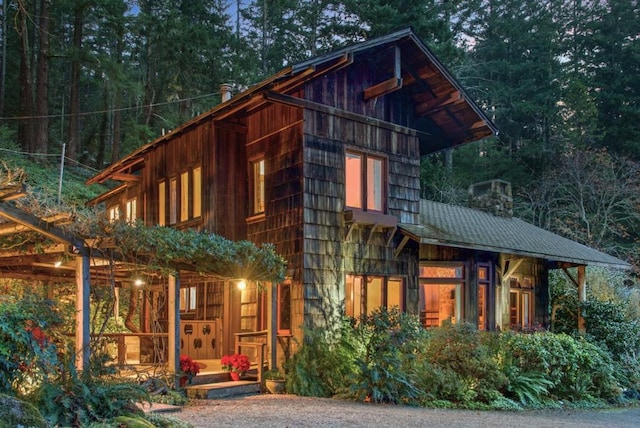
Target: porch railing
[256,340]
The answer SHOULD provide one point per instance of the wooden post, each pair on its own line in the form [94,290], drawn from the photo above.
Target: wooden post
[582,296]
[272,334]
[173,365]
[82,312]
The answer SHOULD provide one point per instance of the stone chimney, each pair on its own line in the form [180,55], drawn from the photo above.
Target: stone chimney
[493,196]
[225,91]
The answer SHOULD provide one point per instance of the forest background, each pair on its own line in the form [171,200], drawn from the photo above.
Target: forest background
[559,78]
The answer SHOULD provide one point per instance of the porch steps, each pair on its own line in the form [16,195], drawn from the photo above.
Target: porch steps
[223,389]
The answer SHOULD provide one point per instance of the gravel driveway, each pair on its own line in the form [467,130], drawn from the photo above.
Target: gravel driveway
[292,411]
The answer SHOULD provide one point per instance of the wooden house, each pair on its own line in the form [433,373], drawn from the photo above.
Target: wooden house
[323,161]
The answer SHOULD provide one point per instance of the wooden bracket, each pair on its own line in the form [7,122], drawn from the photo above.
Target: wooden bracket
[348,235]
[371,230]
[404,241]
[391,234]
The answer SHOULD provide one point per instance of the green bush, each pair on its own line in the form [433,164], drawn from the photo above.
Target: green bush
[385,369]
[18,413]
[577,369]
[608,324]
[324,364]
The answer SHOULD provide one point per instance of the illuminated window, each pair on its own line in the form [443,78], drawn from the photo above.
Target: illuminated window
[162,200]
[184,196]
[521,303]
[131,212]
[188,299]
[197,192]
[257,181]
[364,294]
[173,201]
[364,182]
[441,294]
[484,282]
[114,213]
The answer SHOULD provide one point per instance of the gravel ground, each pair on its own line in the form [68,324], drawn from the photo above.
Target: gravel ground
[292,411]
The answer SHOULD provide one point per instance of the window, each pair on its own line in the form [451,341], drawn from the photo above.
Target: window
[197,192]
[162,200]
[114,213]
[184,196]
[441,287]
[173,201]
[284,308]
[188,299]
[364,182]
[131,212]
[521,303]
[364,294]
[484,282]
[257,183]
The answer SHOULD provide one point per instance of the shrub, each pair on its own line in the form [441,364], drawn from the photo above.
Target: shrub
[18,413]
[385,372]
[324,364]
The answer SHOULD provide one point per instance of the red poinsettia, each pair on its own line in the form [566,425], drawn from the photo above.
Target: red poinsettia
[188,367]
[235,363]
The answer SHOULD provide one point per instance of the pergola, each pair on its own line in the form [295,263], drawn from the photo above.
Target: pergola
[68,258]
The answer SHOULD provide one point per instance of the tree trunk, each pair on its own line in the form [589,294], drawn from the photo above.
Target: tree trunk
[74,95]
[41,136]
[25,127]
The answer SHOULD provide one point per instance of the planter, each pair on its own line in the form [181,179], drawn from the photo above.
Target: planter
[274,386]
[183,381]
[235,376]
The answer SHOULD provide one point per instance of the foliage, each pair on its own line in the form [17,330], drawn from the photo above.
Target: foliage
[457,366]
[324,365]
[28,352]
[77,399]
[235,363]
[389,340]
[188,367]
[274,374]
[17,413]
[578,370]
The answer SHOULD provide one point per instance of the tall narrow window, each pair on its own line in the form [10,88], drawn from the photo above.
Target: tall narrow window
[173,201]
[184,196]
[258,186]
[364,182]
[284,308]
[132,208]
[197,192]
[188,299]
[162,200]
[114,213]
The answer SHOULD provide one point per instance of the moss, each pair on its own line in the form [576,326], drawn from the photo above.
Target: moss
[15,412]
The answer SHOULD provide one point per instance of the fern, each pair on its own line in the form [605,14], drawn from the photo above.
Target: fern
[529,387]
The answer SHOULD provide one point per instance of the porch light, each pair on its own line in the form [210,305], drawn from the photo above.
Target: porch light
[58,263]
[242,284]
[138,282]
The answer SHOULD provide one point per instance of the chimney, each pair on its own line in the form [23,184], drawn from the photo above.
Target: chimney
[225,91]
[493,196]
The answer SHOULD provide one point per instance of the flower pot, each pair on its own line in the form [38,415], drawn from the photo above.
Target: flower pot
[274,386]
[235,376]
[183,381]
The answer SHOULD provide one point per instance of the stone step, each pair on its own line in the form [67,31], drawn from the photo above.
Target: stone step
[223,389]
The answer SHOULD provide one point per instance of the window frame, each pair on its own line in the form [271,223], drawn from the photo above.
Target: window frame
[459,281]
[352,294]
[365,183]
[257,185]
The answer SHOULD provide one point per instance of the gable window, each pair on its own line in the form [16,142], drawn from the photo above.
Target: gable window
[364,294]
[131,211]
[257,184]
[364,182]
[441,287]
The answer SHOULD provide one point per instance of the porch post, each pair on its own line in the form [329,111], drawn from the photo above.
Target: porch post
[582,296]
[272,333]
[173,364]
[83,310]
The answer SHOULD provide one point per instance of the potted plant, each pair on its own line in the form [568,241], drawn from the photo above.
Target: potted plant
[236,364]
[274,381]
[188,369]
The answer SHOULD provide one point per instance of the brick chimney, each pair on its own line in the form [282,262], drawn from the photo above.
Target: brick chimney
[225,91]
[493,196]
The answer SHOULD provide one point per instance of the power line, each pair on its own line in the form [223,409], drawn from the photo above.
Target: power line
[89,113]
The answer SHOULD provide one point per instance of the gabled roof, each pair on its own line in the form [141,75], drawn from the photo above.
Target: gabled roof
[462,227]
[445,115]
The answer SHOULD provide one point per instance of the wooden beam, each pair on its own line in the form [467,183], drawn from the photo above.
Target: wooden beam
[582,297]
[513,267]
[174,326]
[10,212]
[429,107]
[383,88]
[121,176]
[9,192]
[83,309]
